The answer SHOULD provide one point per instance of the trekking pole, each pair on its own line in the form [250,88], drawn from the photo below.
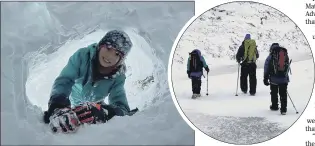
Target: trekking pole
[207,84]
[292,103]
[238,72]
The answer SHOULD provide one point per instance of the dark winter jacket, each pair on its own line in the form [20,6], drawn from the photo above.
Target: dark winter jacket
[273,79]
[240,52]
[200,73]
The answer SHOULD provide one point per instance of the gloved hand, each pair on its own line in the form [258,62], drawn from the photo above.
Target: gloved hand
[266,82]
[55,102]
[92,113]
[64,120]
[238,60]
[207,69]
[188,73]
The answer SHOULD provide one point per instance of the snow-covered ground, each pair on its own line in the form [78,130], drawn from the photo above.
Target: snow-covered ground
[37,39]
[240,119]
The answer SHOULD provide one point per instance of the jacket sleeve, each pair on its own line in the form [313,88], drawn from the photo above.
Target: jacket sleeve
[266,67]
[205,65]
[240,53]
[188,64]
[117,98]
[257,53]
[62,85]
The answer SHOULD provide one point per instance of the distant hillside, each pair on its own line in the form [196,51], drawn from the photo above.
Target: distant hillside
[219,32]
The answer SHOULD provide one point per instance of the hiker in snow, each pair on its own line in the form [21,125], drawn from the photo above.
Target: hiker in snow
[195,66]
[276,75]
[246,56]
[91,74]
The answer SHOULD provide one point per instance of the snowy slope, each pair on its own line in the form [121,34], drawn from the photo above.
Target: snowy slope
[220,31]
[37,41]
[240,119]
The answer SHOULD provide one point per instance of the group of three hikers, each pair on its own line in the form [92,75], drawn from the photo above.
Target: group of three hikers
[276,69]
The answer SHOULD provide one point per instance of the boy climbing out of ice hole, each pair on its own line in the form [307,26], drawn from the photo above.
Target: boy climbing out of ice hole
[91,74]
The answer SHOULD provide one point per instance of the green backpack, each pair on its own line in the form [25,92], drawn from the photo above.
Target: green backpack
[250,51]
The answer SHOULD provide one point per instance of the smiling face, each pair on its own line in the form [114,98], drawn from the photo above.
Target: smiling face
[109,56]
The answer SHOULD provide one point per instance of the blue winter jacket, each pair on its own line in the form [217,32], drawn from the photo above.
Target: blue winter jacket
[273,79]
[200,73]
[76,83]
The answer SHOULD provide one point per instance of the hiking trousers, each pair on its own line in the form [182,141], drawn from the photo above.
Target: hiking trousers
[196,85]
[248,70]
[282,90]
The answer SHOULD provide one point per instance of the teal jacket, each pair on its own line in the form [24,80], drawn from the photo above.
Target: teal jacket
[199,73]
[76,82]
[205,65]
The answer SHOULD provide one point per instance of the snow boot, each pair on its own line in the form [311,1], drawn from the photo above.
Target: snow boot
[283,111]
[193,96]
[274,108]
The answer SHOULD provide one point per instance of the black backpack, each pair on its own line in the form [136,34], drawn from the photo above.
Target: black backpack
[279,62]
[195,63]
